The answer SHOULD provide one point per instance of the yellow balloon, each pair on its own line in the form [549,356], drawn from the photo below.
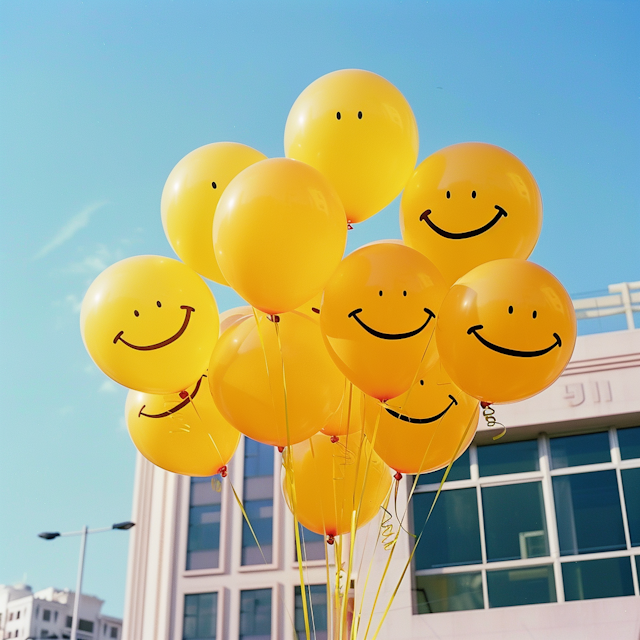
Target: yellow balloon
[470,203]
[329,482]
[357,129]
[279,233]
[246,380]
[184,435]
[231,316]
[150,323]
[377,316]
[190,197]
[421,430]
[506,330]
[349,418]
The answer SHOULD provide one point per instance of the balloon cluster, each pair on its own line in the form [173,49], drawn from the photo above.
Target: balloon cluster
[356,366]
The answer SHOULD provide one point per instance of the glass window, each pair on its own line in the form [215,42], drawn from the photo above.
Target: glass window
[85,625]
[512,457]
[588,512]
[573,451]
[68,621]
[460,470]
[631,484]
[258,502]
[46,615]
[605,578]
[530,585]
[200,617]
[514,521]
[114,630]
[203,545]
[452,535]
[317,611]
[55,616]
[312,545]
[255,614]
[450,592]
[629,442]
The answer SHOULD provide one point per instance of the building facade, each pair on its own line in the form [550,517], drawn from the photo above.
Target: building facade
[47,614]
[535,535]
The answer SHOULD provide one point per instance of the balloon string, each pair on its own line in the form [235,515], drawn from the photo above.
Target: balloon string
[489,415]
[387,532]
[264,352]
[292,482]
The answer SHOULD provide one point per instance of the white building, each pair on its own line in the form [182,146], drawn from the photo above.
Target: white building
[536,536]
[47,614]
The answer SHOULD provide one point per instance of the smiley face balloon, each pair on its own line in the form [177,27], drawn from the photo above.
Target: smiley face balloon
[377,316]
[182,433]
[190,197]
[358,130]
[470,203]
[426,428]
[506,330]
[150,323]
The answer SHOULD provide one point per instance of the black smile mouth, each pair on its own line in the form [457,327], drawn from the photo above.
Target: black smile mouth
[175,409]
[467,234]
[395,414]
[392,336]
[164,343]
[512,352]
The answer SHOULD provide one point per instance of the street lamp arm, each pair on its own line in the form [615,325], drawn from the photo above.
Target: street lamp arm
[50,535]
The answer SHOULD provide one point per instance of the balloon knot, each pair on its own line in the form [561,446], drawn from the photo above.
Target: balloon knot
[330,539]
[223,471]
[484,404]
[315,310]
[184,394]
[334,439]
[280,449]
[349,226]
[274,318]
[398,476]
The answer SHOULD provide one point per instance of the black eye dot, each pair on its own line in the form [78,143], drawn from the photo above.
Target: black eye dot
[338,115]
[422,382]
[535,314]
[380,292]
[159,303]
[473,194]
[448,194]
[214,185]
[404,293]
[510,309]
[136,313]
[359,115]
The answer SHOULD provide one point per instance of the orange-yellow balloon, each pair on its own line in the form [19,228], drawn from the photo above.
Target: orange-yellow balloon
[506,330]
[246,379]
[231,316]
[357,129]
[184,435]
[378,315]
[190,197]
[150,323]
[425,428]
[349,418]
[329,481]
[470,203]
[279,233]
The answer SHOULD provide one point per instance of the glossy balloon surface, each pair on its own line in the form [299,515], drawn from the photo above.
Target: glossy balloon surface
[349,418]
[247,383]
[506,330]
[470,203]
[426,428]
[378,316]
[150,323]
[182,435]
[358,130]
[329,481]
[190,197]
[279,233]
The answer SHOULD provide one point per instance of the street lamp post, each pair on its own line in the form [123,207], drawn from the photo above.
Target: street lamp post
[51,535]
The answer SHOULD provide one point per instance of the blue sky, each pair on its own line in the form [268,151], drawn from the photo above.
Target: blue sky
[99,100]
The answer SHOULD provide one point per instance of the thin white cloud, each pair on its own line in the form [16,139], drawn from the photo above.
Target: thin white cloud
[108,386]
[79,221]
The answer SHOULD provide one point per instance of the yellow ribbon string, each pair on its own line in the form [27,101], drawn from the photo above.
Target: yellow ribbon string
[246,517]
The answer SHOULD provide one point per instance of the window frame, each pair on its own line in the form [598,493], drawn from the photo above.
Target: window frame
[220,607]
[544,475]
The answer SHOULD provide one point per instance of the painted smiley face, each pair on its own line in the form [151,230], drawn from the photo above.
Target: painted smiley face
[506,330]
[377,316]
[359,131]
[182,433]
[150,323]
[469,201]
[421,430]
